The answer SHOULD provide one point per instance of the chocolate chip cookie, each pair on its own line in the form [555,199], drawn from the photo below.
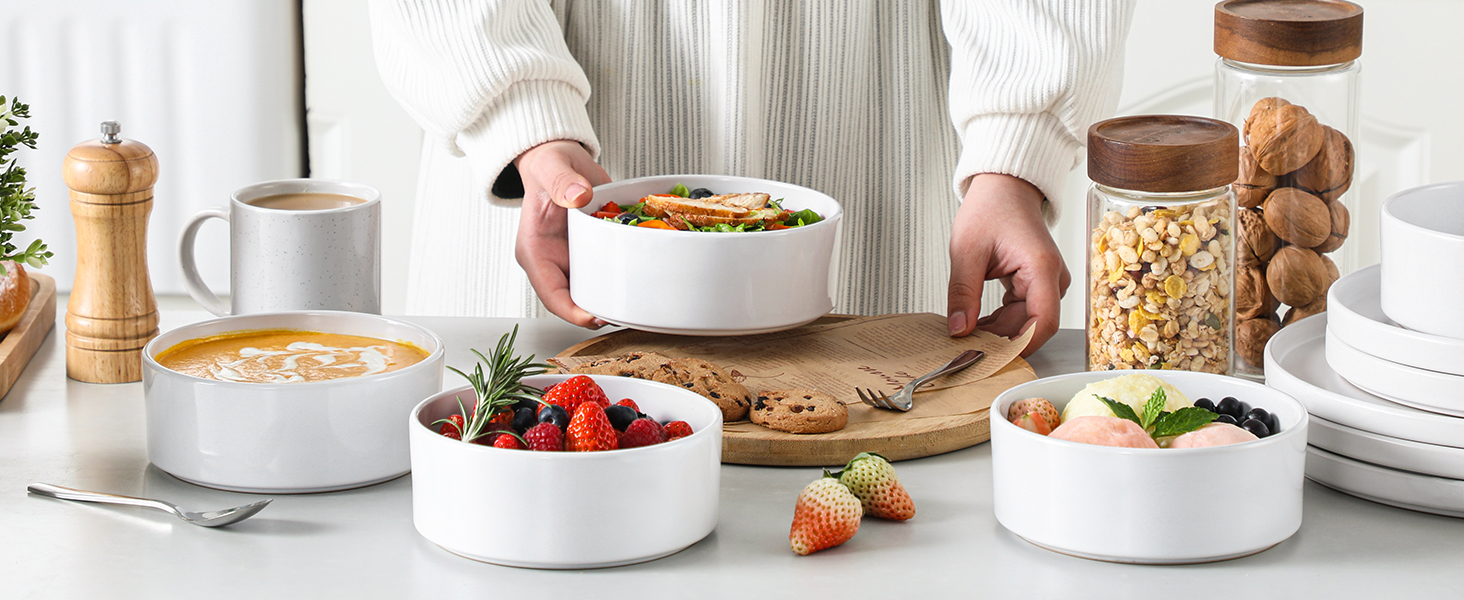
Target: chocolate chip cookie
[709,380]
[799,411]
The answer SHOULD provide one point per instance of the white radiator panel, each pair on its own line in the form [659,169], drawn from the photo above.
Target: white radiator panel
[214,88]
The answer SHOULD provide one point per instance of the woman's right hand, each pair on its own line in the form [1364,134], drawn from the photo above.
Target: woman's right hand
[556,175]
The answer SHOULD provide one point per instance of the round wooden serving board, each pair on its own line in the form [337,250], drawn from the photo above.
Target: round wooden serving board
[915,434]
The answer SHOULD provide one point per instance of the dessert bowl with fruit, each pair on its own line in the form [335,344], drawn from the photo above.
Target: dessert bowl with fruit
[734,256]
[227,410]
[1133,469]
[615,470]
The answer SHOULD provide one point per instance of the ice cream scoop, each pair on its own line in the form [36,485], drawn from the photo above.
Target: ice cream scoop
[1104,431]
[1133,390]
[1213,434]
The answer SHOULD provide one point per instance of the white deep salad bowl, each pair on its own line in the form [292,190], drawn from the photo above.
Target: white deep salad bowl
[704,283]
[1136,505]
[589,509]
[282,438]
[1421,236]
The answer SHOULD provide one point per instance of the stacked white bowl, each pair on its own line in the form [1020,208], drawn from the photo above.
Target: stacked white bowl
[1382,371]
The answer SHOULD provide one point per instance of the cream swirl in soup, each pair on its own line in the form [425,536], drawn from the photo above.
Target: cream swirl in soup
[287,356]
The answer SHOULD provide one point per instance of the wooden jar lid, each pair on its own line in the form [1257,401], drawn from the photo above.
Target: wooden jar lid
[1163,153]
[1288,33]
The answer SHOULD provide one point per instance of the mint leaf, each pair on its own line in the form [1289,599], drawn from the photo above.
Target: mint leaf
[680,190]
[1123,411]
[1153,407]
[1184,420]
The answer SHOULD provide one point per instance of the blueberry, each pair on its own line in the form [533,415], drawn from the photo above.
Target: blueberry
[1230,406]
[1206,404]
[523,419]
[620,416]
[626,218]
[1262,415]
[1257,427]
[554,414]
[701,193]
[1224,418]
[528,403]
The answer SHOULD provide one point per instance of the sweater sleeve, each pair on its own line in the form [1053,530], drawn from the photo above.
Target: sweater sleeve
[1028,77]
[487,79]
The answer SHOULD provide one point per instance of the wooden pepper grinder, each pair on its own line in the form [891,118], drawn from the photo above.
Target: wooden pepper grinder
[112,312]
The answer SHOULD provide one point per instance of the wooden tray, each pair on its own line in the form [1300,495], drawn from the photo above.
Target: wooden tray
[21,343]
[916,434]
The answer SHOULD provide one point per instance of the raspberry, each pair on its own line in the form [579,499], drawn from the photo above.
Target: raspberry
[677,429]
[545,437]
[642,432]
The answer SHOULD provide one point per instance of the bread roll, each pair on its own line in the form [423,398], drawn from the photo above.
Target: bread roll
[14,295]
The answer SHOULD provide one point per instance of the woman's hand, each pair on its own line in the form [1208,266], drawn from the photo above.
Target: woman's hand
[999,233]
[556,175]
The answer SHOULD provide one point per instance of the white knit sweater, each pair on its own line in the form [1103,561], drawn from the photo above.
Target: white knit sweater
[865,100]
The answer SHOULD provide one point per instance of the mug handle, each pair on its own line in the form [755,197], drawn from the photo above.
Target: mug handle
[196,287]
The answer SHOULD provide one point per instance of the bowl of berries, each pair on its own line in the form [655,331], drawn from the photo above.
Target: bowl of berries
[1131,468]
[574,447]
[704,254]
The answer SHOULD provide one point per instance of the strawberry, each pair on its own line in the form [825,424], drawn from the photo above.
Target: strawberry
[628,402]
[545,437]
[642,432]
[1034,414]
[677,430]
[827,514]
[872,479]
[570,393]
[508,441]
[590,430]
[452,427]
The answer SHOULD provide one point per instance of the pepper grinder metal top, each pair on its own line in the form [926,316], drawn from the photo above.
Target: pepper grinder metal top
[112,312]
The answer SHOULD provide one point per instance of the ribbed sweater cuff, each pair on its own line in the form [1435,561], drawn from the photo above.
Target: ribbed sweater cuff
[1035,148]
[529,113]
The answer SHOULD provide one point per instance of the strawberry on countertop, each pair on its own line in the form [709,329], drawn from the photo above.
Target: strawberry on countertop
[827,514]
[872,479]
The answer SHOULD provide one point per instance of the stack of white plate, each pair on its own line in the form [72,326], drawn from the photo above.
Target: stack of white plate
[1387,401]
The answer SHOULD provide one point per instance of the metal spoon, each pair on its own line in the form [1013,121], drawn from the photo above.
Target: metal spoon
[213,518]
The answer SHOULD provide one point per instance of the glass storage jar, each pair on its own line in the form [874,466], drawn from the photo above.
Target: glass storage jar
[1287,76]
[1161,245]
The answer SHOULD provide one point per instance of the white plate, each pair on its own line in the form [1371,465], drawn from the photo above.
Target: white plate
[1296,364]
[1427,390]
[1355,310]
[1426,459]
[1387,486]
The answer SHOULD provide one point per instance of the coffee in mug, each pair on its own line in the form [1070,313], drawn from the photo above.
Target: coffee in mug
[295,244]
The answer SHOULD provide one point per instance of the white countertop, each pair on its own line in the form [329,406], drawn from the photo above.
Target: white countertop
[361,543]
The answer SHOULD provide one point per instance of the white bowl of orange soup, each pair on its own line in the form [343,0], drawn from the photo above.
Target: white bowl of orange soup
[292,402]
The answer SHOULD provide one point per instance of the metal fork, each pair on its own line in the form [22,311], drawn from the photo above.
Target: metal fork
[904,400]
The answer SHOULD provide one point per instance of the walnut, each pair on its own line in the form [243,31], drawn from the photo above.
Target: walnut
[1251,336]
[1332,273]
[1341,221]
[1297,276]
[1297,313]
[1252,296]
[1254,183]
[1329,174]
[1257,243]
[1282,135]
[1298,217]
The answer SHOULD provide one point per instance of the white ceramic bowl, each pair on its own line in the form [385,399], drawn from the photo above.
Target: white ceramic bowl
[1422,241]
[1355,316]
[591,509]
[291,437]
[1137,505]
[699,283]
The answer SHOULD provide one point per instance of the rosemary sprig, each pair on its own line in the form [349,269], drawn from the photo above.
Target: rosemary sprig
[497,389]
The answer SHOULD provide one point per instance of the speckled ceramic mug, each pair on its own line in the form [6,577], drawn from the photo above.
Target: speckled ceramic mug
[294,259]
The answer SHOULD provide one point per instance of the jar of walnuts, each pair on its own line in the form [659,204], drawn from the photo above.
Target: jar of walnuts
[1161,249]
[1287,76]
